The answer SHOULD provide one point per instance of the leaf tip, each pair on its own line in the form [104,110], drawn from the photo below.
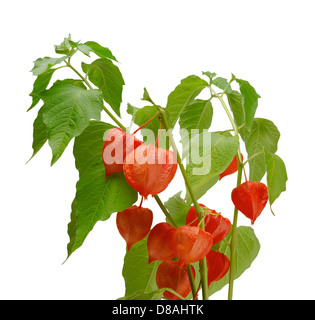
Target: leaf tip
[29,160]
[272,211]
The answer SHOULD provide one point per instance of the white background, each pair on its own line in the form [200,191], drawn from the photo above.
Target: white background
[268,43]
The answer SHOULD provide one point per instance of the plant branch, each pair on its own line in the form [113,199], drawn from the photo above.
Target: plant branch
[253,156]
[239,180]
[78,73]
[233,238]
[165,211]
[192,282]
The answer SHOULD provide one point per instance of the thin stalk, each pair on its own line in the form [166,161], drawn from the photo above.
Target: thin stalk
[253,156]
[144,124]
[165,211]
[79,74]
[192,282]
[239,180]
[233,238]
[89,85]
[203,263]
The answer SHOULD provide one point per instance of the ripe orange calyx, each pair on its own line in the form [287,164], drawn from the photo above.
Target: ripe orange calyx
[134,224]
[117,145]
[149,169]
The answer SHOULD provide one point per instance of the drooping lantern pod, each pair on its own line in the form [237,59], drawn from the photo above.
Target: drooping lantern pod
[173,275]
[215,223]
[191,244]
[250,198]
[149,169]
[218,265]
[117,145]
[232,168]
[159,242]
[134,224]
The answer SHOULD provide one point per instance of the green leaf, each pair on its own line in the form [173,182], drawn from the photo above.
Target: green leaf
[65,46]
[177,208]
[146,96]
[246,251]
[72,229]
[84,49]
[138,274]
[182,96]
[40,134]
[96,199]
[222,83]
[250,101]
[150,130]
[106,76]
[131,109]
[217,152]
[85,67]
[102,52]
[209,74]
[75,82]
[264,135]
[142,115]
[96,196]
[40,85]
[68,110]
[153,295]
[276,176]
[88,146]
[43,64]
[197,115]
[236,102]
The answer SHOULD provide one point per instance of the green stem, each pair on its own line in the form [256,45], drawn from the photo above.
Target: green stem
[79,74]
[200,214]
[239,180]
[233,238]
[89,85]
[165,211]
[192,282]
[226,110]
[253,156]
